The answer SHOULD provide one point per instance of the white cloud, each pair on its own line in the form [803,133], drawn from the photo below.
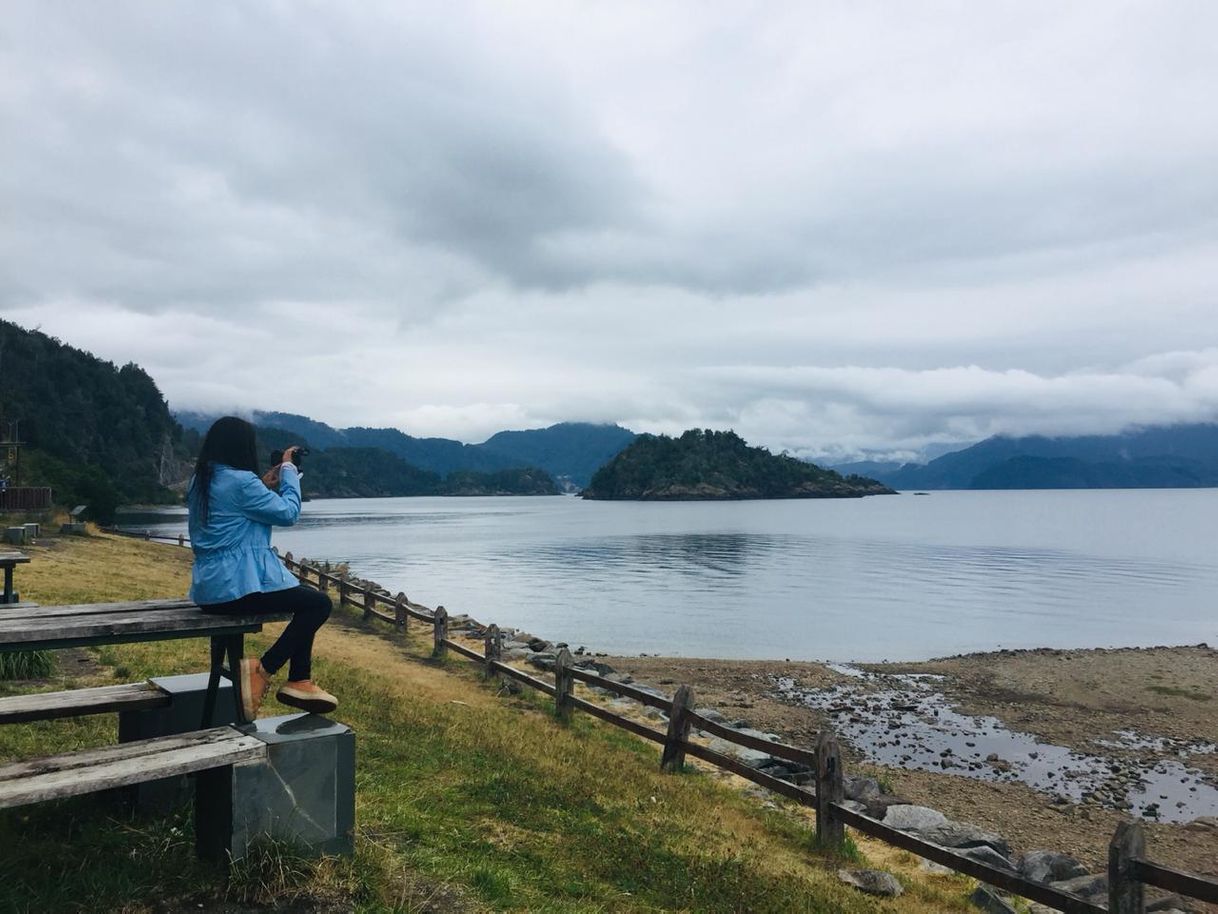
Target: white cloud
[838,227]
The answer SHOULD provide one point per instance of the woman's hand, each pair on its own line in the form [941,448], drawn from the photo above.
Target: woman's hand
[271,478]
[290,452]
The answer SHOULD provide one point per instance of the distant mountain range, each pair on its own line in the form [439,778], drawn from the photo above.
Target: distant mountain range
[1179,456]
[569,451]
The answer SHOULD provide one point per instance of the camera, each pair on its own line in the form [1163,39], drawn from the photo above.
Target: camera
[277,456]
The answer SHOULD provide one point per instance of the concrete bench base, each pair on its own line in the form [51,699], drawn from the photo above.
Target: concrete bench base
[303,792]
[179,713]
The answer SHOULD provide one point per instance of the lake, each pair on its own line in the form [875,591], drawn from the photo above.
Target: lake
[903,577]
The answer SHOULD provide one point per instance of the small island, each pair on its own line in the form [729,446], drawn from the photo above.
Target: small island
[705,464]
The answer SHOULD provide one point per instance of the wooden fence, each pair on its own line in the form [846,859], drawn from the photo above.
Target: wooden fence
[181,539]
[1128,869]
[25,498]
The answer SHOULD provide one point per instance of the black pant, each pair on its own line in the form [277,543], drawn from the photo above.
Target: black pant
[309,610]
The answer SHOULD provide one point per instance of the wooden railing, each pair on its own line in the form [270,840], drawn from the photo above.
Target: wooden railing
[1128,870]
[181,539]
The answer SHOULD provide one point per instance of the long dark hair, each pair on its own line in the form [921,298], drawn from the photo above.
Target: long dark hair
[230,441]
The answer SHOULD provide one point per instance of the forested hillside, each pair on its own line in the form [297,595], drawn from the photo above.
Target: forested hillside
[717,465]
[97,433]
[371,472]
[569,450]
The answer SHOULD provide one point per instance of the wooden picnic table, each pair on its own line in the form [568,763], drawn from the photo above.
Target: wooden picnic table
[8,561]
[25,627]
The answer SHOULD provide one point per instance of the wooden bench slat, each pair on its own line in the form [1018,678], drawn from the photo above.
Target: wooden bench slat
[49,705]
[186,621]
[134,749]
[16,610]
[136,619]
[78,773]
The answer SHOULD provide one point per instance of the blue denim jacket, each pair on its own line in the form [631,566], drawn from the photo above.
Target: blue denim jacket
[232,550]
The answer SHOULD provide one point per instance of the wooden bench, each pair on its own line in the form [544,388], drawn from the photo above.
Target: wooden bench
[25,628]
[91,770]
[134,696]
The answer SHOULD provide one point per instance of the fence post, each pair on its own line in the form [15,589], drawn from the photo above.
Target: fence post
[564,684]
[342,592]
[399,612]
[492,648]
[181,539]
[323,578]
[369,600]
[673,759]
[440,621]
[1126,895]
[830,789]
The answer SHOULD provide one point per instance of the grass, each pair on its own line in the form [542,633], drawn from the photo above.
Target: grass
[466,801]
[26,665]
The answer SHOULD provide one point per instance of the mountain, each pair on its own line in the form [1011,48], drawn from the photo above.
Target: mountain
[1180,456]
[568,450]
[717,465]
[97,434]
[372,472]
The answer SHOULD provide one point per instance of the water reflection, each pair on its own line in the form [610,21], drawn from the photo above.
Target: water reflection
[897,578]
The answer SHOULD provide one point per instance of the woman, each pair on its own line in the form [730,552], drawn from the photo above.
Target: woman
[235,571]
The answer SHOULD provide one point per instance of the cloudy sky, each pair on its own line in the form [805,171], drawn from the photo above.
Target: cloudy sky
[835,227]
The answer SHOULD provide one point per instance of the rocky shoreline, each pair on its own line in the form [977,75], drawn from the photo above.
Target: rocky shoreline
[770,701]
[865,794]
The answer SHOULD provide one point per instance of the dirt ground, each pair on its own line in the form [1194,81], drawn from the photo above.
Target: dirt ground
[1069,698]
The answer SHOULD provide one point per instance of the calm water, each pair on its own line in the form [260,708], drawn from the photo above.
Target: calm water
[904,577]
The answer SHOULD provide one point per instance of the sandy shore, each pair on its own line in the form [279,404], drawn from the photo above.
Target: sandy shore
[1120,716]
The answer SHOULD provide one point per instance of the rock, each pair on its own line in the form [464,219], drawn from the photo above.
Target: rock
[877,807]
[601,669]
[985,898]
[712,715]
[987,855]
[960,835]
[1089,886]
[913,818]
[543,660]
[935,869]
[1050,866]
[860,788]
[540,644]
[751,757]
[1203,824]
[873,882]
[518,653]
[1167,904]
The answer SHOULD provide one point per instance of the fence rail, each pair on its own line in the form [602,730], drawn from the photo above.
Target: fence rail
[181,539]
[1128,870]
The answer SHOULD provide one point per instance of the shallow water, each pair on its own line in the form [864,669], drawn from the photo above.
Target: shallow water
[904,721]
[893,577]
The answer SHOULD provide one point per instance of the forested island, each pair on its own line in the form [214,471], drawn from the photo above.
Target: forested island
[705,464]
